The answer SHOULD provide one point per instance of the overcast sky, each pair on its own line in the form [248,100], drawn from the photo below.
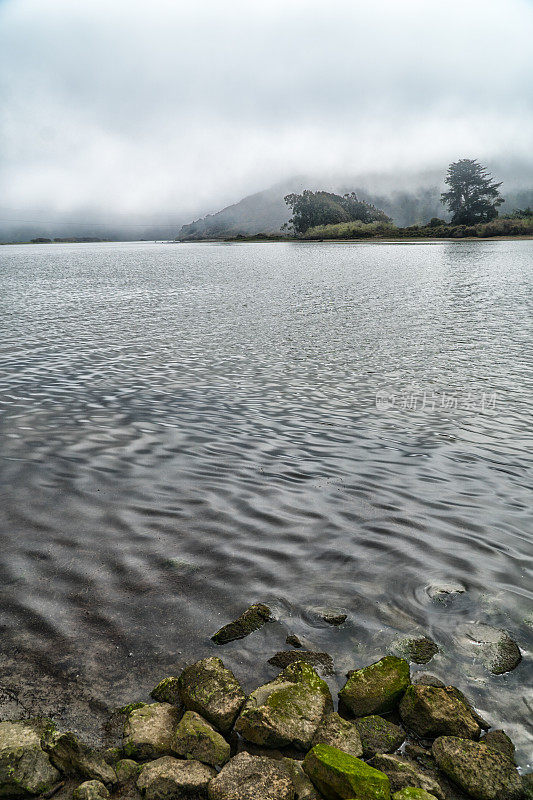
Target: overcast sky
[133,106]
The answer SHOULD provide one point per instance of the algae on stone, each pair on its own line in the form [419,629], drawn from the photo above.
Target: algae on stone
[479,770]
[338,732]
[376,689]
[302,785]
[499,741]
[248,777]
[339,776]
[403,774]
[211,690]
[167,691]
[25,768]
[378,735]
[90,790]
[286,711]
[283,658]
[250,620]
[149,731]
[76,759]
[127,770]
[174,778]
[430,711]
[412,793]
[196,738]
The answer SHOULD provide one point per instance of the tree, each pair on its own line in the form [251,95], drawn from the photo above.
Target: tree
[325,208]
[472,197]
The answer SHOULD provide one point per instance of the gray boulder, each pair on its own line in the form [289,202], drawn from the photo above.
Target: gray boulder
[286,711]
[339,733]
[248,777]
[480,771]
[75,759]
[402,774]
[376,689]
[196,738]
[167,691]
[170,778]
[430,711]
[211,690]
[25,768]
[149,731]
[378,735]
[90,790]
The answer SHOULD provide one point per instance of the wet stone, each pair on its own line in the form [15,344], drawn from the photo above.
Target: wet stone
[127,770]
[283,658]
[211,690]
[293,640]
[403,774]
[482,772]
[338,732]
[90,790]
[251,620]
[167,691]
[25,768]
[149,731]
[430,711]
[378,735]
[76,759]
[170,778]
[248,777]
[196,738]
[498,651]
[412,793]
[376,689]
[499,741]
[338,775]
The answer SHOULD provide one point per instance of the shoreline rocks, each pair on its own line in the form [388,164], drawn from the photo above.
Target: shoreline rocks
[250,620]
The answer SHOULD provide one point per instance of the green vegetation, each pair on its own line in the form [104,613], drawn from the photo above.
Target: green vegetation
[473,197]
[504,226]
[310,209]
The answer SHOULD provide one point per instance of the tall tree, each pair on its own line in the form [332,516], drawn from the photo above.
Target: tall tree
[473,196]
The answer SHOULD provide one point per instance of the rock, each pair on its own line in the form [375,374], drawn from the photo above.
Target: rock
[430,711]
[482,772]
[248,777]
[25,768]
[483,724]
[376,689]
[420,650]
[149,731]
[499,652]
[196,738]
[413,794]
[499,740]
[76,759]
[527,786]
[403,774]
[167,691]
[424,679]
[170,778]
[445,593]
[303,787]
[127,770]
[293,640]
[337,732]
[378,735]
[251,620]
[283,658]
[211,690]
[90,790]
[333,617]
[339,776]
[286,711]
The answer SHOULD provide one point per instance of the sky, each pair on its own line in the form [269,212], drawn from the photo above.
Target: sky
[123,107]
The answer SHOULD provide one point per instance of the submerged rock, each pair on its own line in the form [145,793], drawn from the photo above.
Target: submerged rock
[283,658]
[445,593]
[430,711]
[419,650]
[303,787]
[293,640]
[425,679]
[333,617]
[167,691]
[527,786]
[338,732]
[196,738]
[376,689]
[339,776]
[251,620]
[213,691]
[499,652]
[73,758]
[402,774]
[171,778]
[90,790]
[286,711]
[499,741]
[25,768]
[481,771]
[378,735]
[412,793]
[149,731]
[248,777]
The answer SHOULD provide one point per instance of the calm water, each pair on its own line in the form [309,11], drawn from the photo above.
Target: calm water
[186,429]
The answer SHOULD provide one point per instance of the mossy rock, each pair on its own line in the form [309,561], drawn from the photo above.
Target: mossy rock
[170,778]
[76,759]
[499,741]
[149,731]
[248,777]
[403,774]
[90,790]
[127,770]
[167,691]
[284,658]
[211,690]
[196,738]
[430,711]
[412,793]
[251,620]
[25,769]
[302,785]
[376,689]
[480,771]
[286,711]
[339,776]
[338,732]
[420,649]
[378,735]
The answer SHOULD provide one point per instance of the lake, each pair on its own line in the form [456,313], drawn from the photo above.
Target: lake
[189,428]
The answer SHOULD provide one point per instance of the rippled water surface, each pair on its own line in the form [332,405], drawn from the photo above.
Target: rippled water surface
[186,429]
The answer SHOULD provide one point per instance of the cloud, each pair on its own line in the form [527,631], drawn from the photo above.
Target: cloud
[127,107]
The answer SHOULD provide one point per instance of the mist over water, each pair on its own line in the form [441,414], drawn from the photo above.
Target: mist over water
[186,429]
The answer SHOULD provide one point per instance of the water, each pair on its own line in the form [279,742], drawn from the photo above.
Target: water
[186,429]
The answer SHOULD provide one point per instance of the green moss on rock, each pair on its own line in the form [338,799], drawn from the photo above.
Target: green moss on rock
[378,735]
[149,731]
[196,738]
[90,790]
[339,776]
[480,771]
[211,690]
[167,691]
[378,688]
[411,793]
[251,620]
[430,711]
[25,768]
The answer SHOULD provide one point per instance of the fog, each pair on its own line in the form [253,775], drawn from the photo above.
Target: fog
[163,110]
